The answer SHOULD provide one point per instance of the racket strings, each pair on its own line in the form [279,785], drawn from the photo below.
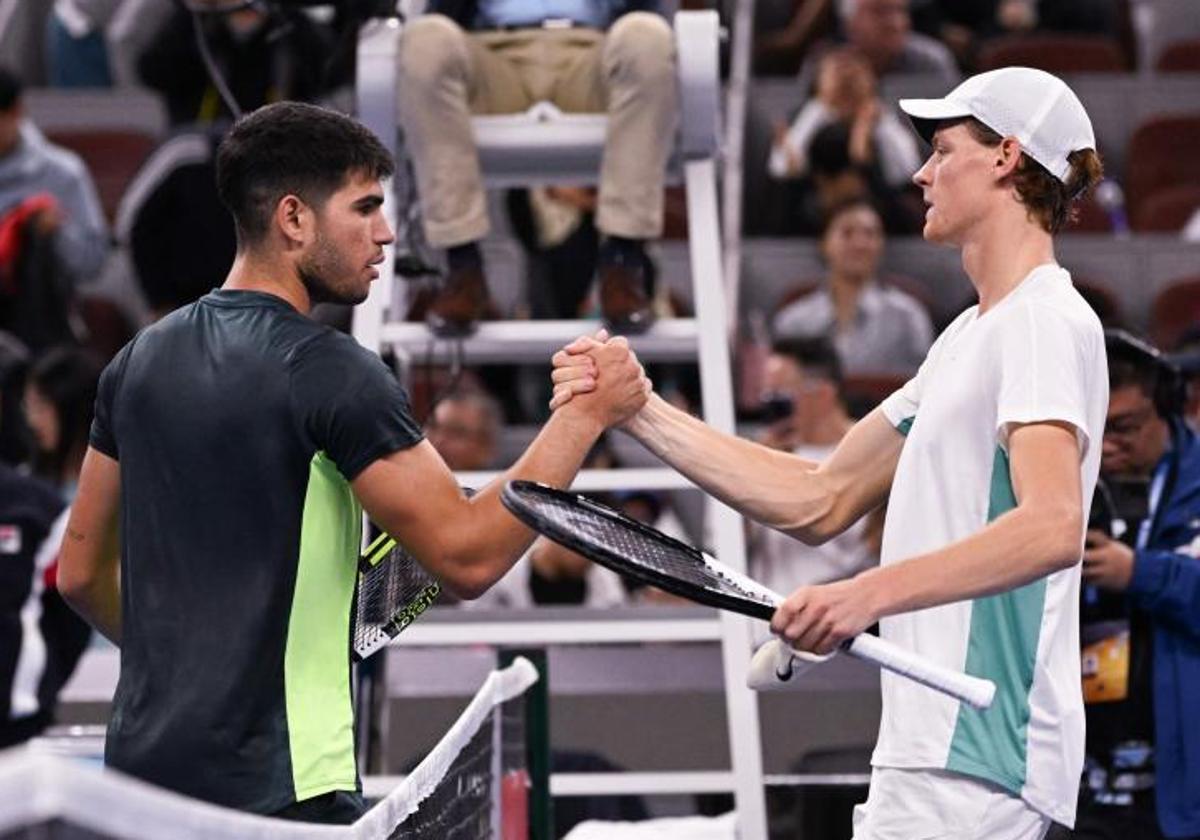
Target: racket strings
[390,594]
[614,535]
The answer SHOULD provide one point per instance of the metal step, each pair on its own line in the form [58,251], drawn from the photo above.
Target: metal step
[512,342]
[593,481]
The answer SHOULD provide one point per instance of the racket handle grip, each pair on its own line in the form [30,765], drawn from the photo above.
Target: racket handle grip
[974,691]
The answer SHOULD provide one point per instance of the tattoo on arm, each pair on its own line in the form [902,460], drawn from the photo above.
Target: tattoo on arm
[77,536]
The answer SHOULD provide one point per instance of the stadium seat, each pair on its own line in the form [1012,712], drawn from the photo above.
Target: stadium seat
[113,157]
[1167,210]
[1055,53]
[1180,57]
[1092,217]
[1175,309]
[1158,157]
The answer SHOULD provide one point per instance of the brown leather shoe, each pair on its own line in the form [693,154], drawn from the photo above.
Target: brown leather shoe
[623,299]
[460,302]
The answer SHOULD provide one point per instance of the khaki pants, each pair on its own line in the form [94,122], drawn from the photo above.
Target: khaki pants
[446,74]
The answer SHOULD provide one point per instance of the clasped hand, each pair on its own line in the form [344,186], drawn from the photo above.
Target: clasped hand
[606,370]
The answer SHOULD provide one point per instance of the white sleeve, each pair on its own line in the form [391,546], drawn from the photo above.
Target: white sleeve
[795,143]
[1043,372]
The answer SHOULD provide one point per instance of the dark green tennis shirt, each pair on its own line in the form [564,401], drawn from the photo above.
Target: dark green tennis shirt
[238,423]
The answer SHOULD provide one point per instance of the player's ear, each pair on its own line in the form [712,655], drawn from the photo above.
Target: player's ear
[1007,157]
[295,220]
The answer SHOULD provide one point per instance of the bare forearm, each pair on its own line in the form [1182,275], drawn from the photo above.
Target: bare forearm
[96,596]
[775,488]
[491,539]
[1017,548]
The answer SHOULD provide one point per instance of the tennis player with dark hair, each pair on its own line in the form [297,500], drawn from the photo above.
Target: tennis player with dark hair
[237,441]
[987,458]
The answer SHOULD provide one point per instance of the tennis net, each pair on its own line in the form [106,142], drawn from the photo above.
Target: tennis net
[472,785]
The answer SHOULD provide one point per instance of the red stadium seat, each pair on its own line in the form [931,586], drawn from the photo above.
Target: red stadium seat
[1055,53]
[1180,57]
[1161,155]
[1167,210]
[1175,309]
[112,156]
[1092,217]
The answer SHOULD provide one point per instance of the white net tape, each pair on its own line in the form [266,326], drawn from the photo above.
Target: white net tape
[37,788]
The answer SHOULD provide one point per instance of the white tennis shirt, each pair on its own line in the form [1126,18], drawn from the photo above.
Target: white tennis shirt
[1037,355]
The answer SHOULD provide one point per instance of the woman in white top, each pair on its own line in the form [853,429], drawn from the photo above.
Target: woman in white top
[876,328]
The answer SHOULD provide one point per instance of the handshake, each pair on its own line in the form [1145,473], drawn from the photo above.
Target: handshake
[600,377]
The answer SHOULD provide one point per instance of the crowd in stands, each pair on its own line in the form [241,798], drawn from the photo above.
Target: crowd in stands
[830,164]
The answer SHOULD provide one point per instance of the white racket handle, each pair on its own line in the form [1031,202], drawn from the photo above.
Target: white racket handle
[975,691]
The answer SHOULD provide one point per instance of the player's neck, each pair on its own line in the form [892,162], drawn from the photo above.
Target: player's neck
[1001,253]
[253,271]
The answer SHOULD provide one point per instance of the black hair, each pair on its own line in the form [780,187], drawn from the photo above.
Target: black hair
[67,377]
[845,205]
[291,148]
[10,88]
[815,356]
[1133,361]
[829,151]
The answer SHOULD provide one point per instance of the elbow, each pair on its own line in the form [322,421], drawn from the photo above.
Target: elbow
[466,589]
[466,580]
[1062,529]
[74,584]
[821,522]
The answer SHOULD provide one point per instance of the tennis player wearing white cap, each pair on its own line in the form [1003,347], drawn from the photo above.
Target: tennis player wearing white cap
[987,458]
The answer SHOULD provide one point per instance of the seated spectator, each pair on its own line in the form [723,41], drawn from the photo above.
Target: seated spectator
[882,31]
[465,429]
[60,394]
[844,143]
[52,231]
[41,639]
[266,54]
[875,328]
[803,382]
[847,92]
[180,237]
[582,55]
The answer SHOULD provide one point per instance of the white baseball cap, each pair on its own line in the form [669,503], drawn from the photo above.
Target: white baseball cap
[1033,106]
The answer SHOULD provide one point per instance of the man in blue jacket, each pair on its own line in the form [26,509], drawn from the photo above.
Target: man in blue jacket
[1142,659]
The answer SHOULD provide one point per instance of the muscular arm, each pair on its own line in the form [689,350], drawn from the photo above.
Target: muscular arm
[1039,536]
[809,501]
[89,570]
[468,543]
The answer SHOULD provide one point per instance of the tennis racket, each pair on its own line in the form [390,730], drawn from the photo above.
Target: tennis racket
[632,548]
[393,590]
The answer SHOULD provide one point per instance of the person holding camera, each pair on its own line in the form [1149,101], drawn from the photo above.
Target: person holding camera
[1141,609]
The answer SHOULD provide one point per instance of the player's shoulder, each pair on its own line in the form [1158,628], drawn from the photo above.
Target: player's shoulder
[1048,304]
